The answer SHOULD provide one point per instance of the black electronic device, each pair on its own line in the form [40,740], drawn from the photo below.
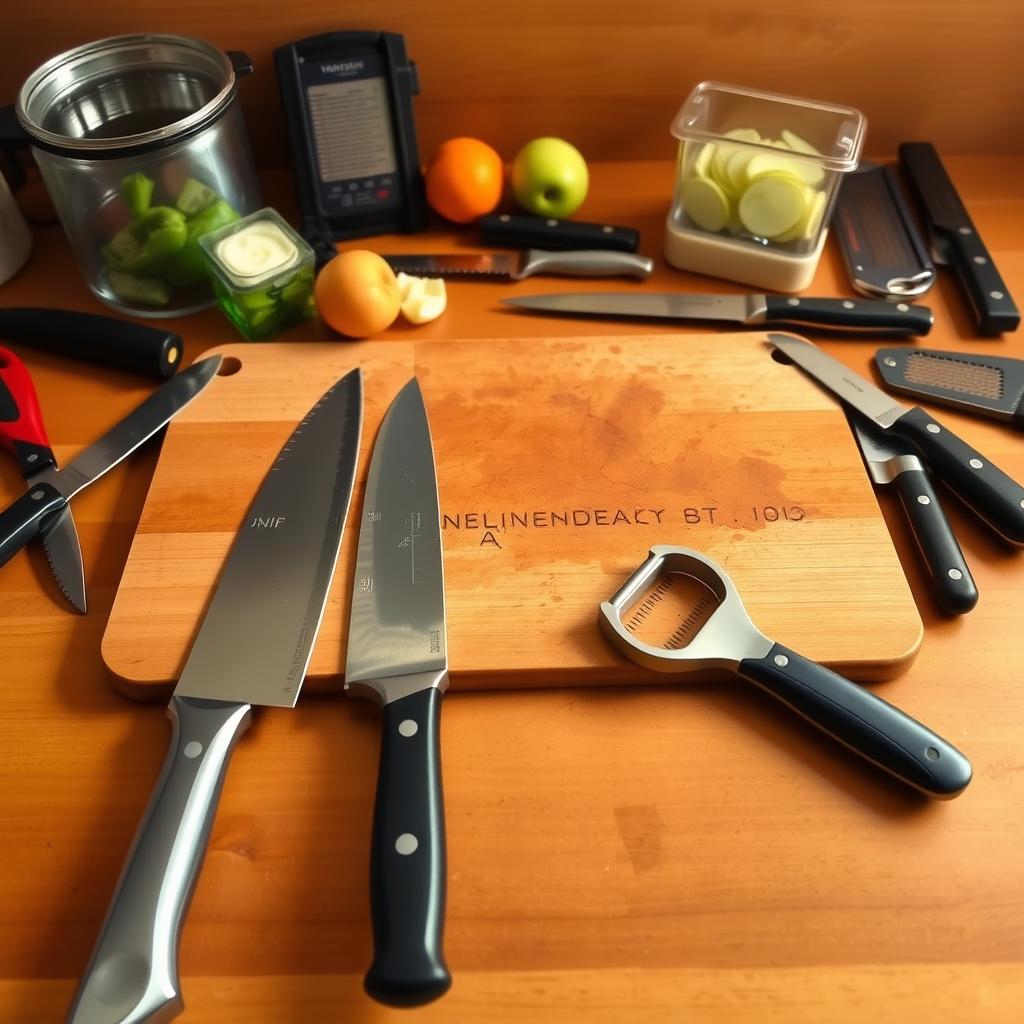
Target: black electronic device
[348,103]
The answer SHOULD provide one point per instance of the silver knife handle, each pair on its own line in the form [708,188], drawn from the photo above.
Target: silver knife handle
[132,976]
[585,263]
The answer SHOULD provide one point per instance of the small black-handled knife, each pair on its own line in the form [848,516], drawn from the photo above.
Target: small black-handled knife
[891,461]
[516,266]
[518,231]
[397,655]
[995,497]
[867,316]
[955,239]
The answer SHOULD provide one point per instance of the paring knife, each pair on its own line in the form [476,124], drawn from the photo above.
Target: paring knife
[22,431]
[253,648]
[890,460]
[989,386]
[398,655]
[519,231]
[864,315]
[955,239]
[52,489]
[514,266]
[995,497]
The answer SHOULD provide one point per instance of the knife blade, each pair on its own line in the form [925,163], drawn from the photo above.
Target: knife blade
[53,488]
[252,649]
[995,497]
[22,431]
[514,266]
[397,655]
[892,461]
[955,239]
[862,315]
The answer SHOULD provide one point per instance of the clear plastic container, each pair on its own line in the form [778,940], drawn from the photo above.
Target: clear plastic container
[756,178]
[262,273]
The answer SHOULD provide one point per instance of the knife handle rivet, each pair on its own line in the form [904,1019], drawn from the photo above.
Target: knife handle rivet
[781,660]
[923,499]
[407,727]
[955,574]
[551,223]
[31,458]
[36,495]
[848,304]
[607,229]
[932,428]
[792,302]
[980,260]
[406,843]
[996,295]
[932,753]
[193,749]
[976,464]
[504,218]
[890,361]
[903,308]
[965,231]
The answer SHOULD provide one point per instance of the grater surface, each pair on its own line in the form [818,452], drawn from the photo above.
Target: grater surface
[953,374]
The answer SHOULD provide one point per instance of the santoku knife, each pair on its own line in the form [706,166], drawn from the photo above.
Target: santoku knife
[253,648]
[994,496]
[53,488]
[397,655]
[891,460]
[867,315]
[515,266]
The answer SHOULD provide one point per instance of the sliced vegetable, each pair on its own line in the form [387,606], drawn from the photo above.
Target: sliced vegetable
[137,192]
[772,206]
[194,196]
[188,267]
[141,291]
[157,235]
[706,203]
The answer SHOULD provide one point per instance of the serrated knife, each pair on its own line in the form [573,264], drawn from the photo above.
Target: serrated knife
[252,649]
[398,655]
[995,497]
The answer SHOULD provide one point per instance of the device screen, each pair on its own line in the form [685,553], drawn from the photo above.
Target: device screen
[353,140]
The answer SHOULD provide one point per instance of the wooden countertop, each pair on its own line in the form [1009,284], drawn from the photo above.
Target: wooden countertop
[640,855]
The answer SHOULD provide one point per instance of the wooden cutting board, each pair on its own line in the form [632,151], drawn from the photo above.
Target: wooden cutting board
[560,461]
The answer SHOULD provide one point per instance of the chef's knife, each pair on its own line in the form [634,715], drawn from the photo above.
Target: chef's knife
[514,266]
[397,655]
[252,649]
[955,239]
[519,231]
[22,431]
[52,489]
[865,315]
[891,460]
[994,496]
[990,386]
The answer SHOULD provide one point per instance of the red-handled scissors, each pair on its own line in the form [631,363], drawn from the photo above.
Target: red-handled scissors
[23,433]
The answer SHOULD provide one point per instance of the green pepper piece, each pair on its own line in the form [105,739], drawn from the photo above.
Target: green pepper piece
[138,291]
[255,300]
[137,192]
[160,232]
[122,248]
[296,291]
[189,267]
[194,196]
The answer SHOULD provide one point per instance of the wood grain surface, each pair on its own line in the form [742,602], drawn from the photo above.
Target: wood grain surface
[560,462]
[607,75]
[628,855]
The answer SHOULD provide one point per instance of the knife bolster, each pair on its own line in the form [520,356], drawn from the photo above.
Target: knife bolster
[385,691]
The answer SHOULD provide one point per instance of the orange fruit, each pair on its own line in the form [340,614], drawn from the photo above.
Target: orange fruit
[357,293]
[464,180]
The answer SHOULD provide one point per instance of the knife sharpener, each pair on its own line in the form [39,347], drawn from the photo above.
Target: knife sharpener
[717,633]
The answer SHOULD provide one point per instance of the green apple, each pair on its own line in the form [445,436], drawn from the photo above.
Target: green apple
[549,178]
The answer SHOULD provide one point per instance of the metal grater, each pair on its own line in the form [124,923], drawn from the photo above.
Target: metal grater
[991,386]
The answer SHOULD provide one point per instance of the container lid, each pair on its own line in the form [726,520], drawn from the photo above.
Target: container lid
[713,108]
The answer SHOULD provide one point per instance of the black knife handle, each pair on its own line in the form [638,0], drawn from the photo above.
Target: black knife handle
[869,315]
[861,721]
[521,232]
[994,309]
[952,583]
[96,339]
[996,497]
[407,858]
[20,522]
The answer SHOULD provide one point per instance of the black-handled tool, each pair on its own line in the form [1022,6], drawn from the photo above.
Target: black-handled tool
[519,231]
[93,338]
[893,462]
[955,239]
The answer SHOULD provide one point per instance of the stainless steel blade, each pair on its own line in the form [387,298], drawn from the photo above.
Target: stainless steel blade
[397,622]
[258,634]
[839,379]
[64,553]
[457,265]
[885,454]
[658,305]
[136,428]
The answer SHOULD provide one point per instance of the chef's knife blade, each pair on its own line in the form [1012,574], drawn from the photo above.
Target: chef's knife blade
[955,239]
[253,648]
[52,489]
[516,266]
[994,496]
[397,654]
[862,315]
[23,432]
[892,461]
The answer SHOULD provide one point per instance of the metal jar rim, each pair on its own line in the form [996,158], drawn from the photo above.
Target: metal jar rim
[51,81]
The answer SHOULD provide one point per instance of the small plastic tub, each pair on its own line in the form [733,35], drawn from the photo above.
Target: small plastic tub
[262,273]
[756,178]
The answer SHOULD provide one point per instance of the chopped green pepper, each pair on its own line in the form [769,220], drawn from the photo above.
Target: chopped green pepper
[194,196]
[149,242]
[188,266]
[142,291]
[137,192]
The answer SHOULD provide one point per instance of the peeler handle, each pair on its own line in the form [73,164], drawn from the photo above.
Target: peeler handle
[861,721]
